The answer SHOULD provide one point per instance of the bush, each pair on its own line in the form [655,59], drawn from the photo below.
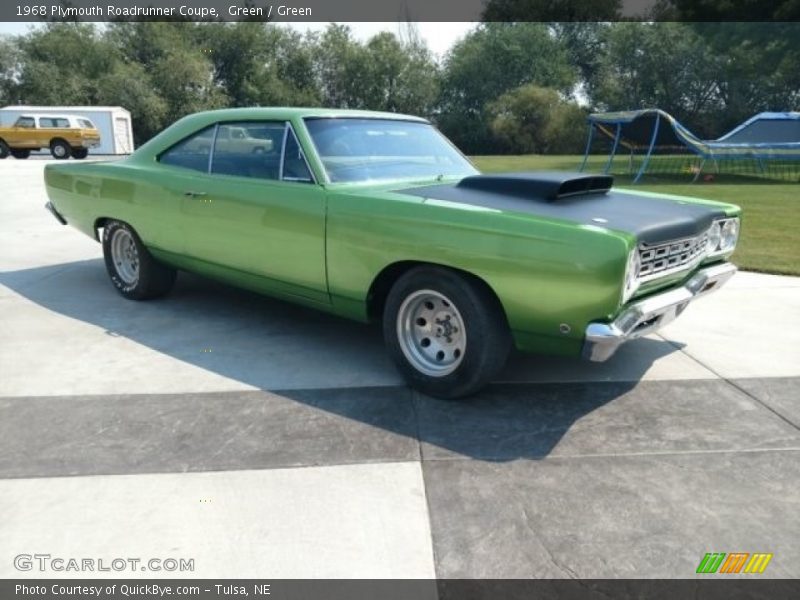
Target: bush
[537,120]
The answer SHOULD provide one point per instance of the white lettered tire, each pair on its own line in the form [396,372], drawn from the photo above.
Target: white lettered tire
[132,269]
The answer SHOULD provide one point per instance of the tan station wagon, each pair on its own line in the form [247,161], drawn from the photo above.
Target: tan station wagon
[64,135]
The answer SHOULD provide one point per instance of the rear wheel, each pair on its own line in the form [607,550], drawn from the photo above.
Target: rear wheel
[80,153]
[4,150]
[446,331]
[132,269]
[60,149]
[21,154]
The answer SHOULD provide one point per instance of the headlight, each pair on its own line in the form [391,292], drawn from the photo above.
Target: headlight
[730,235]
[714,236]
[722,236]
[631,283]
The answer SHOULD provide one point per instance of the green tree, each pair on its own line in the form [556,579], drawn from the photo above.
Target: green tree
[258,64]
[586,45]
[9,69]
[130,86]
[491,60]
[179,70]
[657,65]
[61,63]
[533,119]
[339,65]
[398,77]
[758,69]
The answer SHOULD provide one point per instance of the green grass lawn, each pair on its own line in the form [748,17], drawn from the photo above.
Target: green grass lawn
[770,239]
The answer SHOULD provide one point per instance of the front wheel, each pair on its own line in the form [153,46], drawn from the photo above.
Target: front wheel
[132,269]
[4,150]
[446,331]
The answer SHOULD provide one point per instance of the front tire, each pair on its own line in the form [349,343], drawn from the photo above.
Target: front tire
[60,149]
[446,331]
[132,269]
[4,150]
[21,154]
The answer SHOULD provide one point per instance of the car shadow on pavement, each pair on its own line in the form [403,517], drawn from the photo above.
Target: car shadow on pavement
[325,363]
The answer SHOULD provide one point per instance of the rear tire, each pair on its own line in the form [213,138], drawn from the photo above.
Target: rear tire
[446,331]
[132,269]
[60,149]
[21,154]
[4,150]
[80,153]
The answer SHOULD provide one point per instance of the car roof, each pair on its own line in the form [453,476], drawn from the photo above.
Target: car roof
[286,113]
[51,116]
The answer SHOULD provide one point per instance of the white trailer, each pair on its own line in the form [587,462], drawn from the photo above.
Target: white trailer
[113,122]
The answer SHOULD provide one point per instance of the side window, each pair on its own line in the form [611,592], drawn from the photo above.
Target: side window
[86,124]
[26,122]
[248,149]
[53,122]
[192,152]
[294,163]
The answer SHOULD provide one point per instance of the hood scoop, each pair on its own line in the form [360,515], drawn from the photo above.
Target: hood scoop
[551,186]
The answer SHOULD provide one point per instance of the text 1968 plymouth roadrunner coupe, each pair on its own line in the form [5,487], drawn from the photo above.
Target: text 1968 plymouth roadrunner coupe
[376,216]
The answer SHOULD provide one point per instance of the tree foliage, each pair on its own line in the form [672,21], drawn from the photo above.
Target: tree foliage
[488,62]
[504,87]
[536,120]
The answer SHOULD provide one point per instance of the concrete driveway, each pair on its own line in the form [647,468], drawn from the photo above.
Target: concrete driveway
[263,439]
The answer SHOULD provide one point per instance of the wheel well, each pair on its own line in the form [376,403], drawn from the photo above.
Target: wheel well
[98,225]
[58,139]
[383,282]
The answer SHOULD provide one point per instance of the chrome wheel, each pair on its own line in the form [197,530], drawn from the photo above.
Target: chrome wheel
[431,333]
[125,256]
[59,150]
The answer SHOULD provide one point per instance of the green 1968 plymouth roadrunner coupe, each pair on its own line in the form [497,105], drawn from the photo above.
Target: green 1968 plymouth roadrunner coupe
[376,216]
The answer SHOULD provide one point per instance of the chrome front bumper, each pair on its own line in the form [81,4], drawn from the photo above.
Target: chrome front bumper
[650,314]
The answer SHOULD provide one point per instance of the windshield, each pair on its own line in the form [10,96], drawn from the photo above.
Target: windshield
[384,149]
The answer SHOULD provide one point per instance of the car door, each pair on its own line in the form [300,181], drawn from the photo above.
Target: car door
[259,213]
[23,133]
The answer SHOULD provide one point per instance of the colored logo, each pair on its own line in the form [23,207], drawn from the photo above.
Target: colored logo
[735,562]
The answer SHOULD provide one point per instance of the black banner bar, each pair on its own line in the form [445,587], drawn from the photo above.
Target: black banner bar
[732,588]
[399,10]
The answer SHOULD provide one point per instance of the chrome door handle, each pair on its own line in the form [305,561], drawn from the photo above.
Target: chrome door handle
[192,194]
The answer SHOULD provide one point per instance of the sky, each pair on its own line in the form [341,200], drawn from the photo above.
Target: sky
[439,36]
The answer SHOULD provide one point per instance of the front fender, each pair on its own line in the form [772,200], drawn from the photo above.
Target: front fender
[551,277]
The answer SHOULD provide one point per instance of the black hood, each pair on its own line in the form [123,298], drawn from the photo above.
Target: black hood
[580,198]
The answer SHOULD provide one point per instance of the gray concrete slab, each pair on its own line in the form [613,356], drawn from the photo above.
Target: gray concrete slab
[353,521]
[40,437]
[781,394]
[203,337]
[535,421]
[613,517]
[632,468]
[743,332]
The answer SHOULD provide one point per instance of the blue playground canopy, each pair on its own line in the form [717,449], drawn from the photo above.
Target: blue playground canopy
[768,136]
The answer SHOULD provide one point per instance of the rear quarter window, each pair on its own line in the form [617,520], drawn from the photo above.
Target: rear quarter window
[192,152]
